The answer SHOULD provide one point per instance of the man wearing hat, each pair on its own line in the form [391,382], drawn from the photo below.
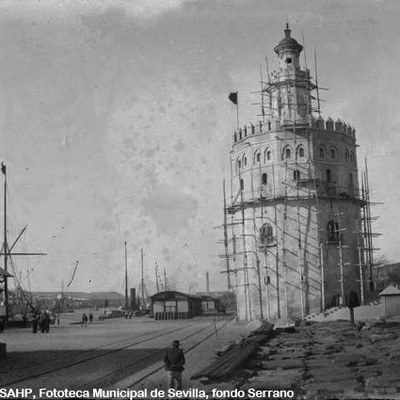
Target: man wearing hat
[174,360]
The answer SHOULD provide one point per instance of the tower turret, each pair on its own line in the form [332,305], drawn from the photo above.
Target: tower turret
[288,50]
[290,85]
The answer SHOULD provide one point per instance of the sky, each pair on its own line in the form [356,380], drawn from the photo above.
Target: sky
[115,125]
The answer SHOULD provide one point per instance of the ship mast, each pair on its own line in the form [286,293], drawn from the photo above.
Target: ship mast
[126,280]
[6,249]
[5,246]
[143,304]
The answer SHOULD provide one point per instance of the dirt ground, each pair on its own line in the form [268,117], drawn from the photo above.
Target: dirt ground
[108,353]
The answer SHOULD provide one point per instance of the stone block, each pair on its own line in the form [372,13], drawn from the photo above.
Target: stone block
[395,355]
[284,364]
[349,359]
[383,337]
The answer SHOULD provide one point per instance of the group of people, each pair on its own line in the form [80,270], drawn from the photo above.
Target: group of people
[85,319]
[41,322]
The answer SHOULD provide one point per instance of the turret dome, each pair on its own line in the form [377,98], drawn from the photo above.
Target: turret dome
[288,43]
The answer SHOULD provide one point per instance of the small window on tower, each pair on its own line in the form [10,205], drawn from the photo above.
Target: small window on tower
[241,184]
[329,175]
[333,232]
[264,179]
[267,235]
[296,175]
[288,60]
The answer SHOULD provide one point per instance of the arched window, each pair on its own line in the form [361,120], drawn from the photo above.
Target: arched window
[264,179]
[240,134]
[333,231]
[351,157]
[267,155]
[257,157]
[266,235]
[241,184]
[329,175]
[244,161]
[346,155]
[322,152]
[296,175]
[239,164]
[300,151]
[288,153]
[333,153]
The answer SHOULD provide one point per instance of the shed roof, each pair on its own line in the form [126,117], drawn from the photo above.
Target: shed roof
[390,290]
[172,295]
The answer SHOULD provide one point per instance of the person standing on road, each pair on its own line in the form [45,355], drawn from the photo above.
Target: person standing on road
[46,323]
[34,323]
[84,320]
[174,361]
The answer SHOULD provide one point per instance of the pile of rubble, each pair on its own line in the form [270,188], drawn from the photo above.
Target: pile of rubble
[331,360]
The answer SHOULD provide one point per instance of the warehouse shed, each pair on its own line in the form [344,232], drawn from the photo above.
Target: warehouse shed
[210,305]
[390,301]
[175,305]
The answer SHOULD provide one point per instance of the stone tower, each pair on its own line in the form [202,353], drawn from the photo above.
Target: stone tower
[293,219]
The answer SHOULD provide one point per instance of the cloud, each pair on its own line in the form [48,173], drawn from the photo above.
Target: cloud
[170,209]
[144,9]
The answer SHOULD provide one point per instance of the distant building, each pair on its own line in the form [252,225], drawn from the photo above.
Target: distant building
[385,275]
[294,218]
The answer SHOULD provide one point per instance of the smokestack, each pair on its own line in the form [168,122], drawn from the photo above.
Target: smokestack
[133,299]
[208,282]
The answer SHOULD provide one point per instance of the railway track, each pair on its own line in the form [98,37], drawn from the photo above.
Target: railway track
[68,365]
[136,381]
[126,343]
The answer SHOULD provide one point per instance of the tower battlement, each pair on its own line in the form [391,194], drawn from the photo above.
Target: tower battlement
[263,127]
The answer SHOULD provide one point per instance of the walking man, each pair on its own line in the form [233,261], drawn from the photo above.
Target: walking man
[174,360]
